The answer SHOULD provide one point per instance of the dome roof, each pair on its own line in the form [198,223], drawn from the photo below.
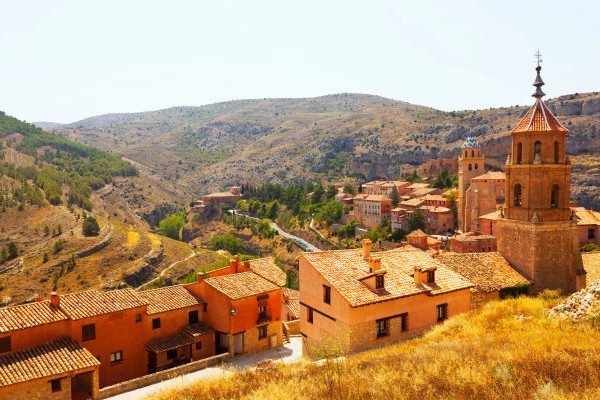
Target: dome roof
[470,143]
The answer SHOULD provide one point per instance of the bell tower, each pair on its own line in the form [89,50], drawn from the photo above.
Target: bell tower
[537,233]
[470,165]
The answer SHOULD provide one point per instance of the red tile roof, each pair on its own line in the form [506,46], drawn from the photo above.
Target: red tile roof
[240,285]
[92,303]
[168,298]
[343,269]
[44,361]
[29,315]
[539,119]
[167,343]
[267,268]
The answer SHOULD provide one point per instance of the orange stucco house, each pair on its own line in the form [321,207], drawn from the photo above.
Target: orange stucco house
[352,300]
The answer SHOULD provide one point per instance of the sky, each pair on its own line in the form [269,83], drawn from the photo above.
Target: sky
[63,61]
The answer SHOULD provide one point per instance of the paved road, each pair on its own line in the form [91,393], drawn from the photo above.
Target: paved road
[290,352]
[301,242]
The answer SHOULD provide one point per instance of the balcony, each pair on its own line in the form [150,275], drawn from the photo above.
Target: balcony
[262,318]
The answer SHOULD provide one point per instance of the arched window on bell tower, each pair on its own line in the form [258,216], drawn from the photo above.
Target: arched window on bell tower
[476,167]
[519,152]
[537,152]
[554,196]
[470,167]
[472,153]
[556,155]
[517,195]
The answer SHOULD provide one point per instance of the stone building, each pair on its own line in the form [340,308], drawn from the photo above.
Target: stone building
[470,165]
[482,197]
[537,232]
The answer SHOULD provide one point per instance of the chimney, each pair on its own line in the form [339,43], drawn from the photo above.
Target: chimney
[37,298]
[200,276]
[54,299]
[246,266]
[418,278]
[374,264]
[233,265]
[366,249]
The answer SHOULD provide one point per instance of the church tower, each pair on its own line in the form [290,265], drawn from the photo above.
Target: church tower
[470,165]
[536,231]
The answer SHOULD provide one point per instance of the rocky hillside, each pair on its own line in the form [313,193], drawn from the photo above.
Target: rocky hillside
[207,148]
[580,305]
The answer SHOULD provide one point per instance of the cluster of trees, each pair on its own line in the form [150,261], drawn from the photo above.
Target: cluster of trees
[90,226]
[261,228]
[227,242]
[9,251]
[64,162]
[171,225]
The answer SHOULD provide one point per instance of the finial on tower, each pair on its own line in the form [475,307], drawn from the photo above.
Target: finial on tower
[538,94]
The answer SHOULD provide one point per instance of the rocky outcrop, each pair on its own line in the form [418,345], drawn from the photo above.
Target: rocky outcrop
[189,232]
[161,211]
[580,305]
[149,269]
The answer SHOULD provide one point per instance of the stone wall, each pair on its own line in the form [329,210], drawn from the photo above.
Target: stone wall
[252,343]
[39,389]
[161,376]
[479,299]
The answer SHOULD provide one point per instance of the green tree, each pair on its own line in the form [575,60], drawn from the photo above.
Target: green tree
[395,196]
[349,189]
[226,242]
[414,178]
[12,250]
[318,193]
[443,181]
[453,199]
[331,192]
[416,221]
[171,225]
[330,212]
[90,226]
[590,246]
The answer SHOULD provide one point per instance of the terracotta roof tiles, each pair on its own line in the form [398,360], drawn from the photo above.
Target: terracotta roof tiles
[293,301]
[491,175]
[343,269]
[168,298]
[488,271]
[539,119]
[267,268]
[240,285]
[92,303]
[29,315]
[44,361]
[167,343]
[586,217]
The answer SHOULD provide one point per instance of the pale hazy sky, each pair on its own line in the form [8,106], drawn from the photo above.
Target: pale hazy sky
[63,61]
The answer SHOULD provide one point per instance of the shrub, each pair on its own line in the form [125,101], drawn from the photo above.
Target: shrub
[90,226]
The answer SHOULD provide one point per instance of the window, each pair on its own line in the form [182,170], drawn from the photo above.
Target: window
[591,236]
[262,312]
[156,323]
[193,317]
[327,294]
[430,276]
[556,153]
[171,354]
[470,167]
[88,332]
[205,307]
[537,148]
[309,315]
[442,312]
[554,197]
[138,317]
[116,357]
[519,152]
[404,322]
[5,344]
[382,327]
[476,166]
[262,332]
[55,385]
[517,195]
[379,282]
[198,345]
[472,153]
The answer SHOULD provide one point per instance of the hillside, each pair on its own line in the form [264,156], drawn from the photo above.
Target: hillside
[48,185]
[208,148]
[535,357]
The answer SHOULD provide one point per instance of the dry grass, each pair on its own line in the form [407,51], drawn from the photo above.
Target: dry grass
[133,238]
[509,349]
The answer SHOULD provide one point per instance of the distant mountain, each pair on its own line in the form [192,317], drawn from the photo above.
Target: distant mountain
[201,149]
[47,125]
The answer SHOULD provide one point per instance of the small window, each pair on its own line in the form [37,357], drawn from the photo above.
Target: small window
[442,312]
[138,317]
[476,166]
[470,167]
[556,152]
[382,327]
[205,307]
[404,322]
[171,354]
[554,197]
[5,344]
[262,332]
[430,276]
[309,315]
[517,195]
[262,312]
[198,345]
[537,148]
[156,323]
[116,357]
[88,332]
[327,294]
[519,152]
[591,236]
[193,317]
[379,282]
[55,385]
[472,153]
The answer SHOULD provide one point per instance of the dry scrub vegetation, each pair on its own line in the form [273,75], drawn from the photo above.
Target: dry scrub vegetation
[509,349]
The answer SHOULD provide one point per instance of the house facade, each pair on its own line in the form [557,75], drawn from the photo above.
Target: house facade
[352,300]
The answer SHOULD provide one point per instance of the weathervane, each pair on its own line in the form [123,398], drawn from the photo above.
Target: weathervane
[538,57]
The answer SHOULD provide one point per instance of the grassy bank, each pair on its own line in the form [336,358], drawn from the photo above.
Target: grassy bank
[507,350]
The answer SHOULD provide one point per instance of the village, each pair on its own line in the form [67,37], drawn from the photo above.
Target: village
[519,234]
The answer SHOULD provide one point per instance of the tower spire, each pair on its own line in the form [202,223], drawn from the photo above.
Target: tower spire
[538,94]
